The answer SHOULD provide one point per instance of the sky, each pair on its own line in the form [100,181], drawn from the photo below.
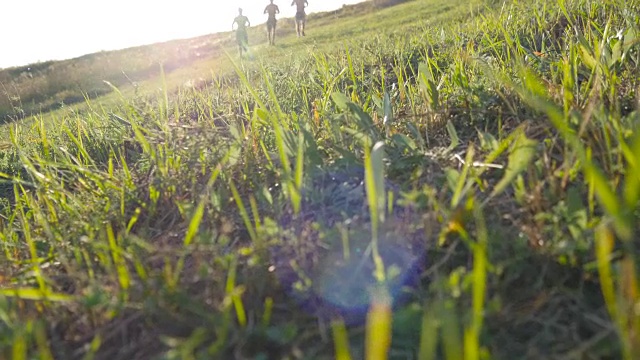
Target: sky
[41,30]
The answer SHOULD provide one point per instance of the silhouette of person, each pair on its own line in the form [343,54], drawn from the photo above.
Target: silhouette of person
[301,16]
[271,9]
[241,31]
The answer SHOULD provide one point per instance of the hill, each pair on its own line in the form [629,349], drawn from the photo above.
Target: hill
[41,87]
[435,179]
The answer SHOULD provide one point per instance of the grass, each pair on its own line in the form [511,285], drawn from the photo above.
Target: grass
[54,85]
[428,180]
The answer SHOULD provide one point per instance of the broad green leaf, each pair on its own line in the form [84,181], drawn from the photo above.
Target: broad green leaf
[262,115]
[312,155]
[364,120]
[235,132]
[453,135]
[586,56]
[266,194]
[578,216]
[358,135]
[341,100]
[403,142]
[630,41]
[428,84]
[452,176]
[574,200]
[616,53]
[416,134]
[534,84]
[387,109]
[520,156]
[535,94]
[520,189]
[488,141]
[378,101]
[425,72]
[235,153]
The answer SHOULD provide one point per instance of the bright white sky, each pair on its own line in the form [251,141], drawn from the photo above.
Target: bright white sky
[40,30]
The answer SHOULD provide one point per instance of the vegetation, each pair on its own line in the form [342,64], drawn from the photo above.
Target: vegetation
[430,180]
[51,85]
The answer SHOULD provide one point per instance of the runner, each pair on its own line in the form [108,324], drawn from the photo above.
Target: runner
[271,9]
[301,16]
[241,31]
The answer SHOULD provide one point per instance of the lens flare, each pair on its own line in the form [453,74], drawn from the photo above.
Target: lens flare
[324,256]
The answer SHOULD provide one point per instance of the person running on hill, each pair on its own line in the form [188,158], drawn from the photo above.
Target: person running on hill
[301,16]
[241,31]
[271,9]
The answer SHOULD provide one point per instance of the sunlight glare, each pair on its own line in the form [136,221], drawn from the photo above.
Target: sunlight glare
[40,30]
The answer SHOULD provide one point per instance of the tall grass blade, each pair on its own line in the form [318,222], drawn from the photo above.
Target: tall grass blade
[378,327]
[19,347]
[520,156]
[299,174]
[118,260]
[340,340]
[459,190]
[429,335]
[194,223]
[450,322]
[376,198]
[472,332]
[235,292]
[42,341]
[35,295]
[604,248]
[243,212]
[453,135]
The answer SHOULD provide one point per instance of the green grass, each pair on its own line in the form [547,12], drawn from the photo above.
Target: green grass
[54,85]
[429,180]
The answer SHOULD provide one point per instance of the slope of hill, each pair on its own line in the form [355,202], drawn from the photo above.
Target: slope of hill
[41,87]
[438,179]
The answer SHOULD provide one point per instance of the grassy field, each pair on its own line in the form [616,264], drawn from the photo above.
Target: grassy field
[51,85]
[437,179]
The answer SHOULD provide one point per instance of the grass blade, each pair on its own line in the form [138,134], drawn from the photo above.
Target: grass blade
[376,198]
[340,340]
[378,326]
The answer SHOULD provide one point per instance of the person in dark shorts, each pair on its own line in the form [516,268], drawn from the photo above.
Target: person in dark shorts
[301,16]
[241,31]
[271,9]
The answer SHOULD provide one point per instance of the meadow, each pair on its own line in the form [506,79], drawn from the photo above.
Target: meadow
[431,180]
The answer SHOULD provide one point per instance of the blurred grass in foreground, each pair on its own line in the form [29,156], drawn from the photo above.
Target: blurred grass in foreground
[449,180]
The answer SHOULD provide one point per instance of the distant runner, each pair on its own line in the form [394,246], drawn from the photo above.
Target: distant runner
[271,9]
[301,16]
[241,31]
